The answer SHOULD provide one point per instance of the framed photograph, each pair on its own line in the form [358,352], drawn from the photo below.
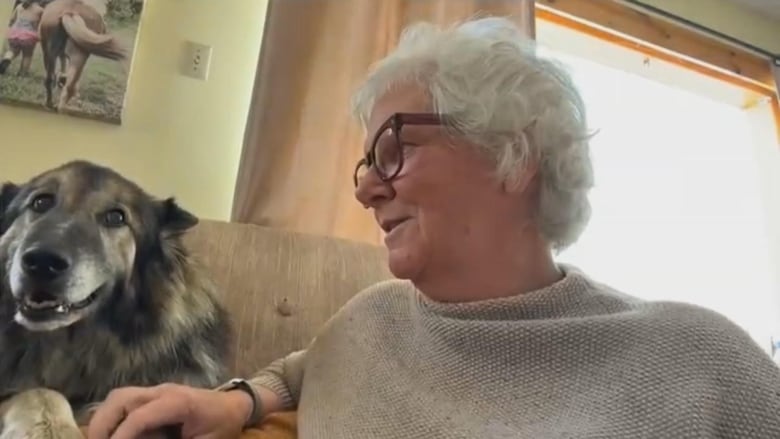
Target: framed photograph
[68,56]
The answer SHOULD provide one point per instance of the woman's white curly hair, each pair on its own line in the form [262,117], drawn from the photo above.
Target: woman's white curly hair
[485,75]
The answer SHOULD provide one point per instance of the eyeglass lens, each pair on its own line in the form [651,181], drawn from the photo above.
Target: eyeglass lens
[386,156]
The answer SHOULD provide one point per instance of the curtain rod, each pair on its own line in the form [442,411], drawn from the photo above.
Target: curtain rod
[636,4]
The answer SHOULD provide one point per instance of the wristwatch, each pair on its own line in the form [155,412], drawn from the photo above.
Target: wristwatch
[244,386]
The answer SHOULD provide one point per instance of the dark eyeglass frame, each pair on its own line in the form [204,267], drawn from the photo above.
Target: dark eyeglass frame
[395,123]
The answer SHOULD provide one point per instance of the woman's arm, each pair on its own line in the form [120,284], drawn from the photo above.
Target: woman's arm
[284,378]
[221,412]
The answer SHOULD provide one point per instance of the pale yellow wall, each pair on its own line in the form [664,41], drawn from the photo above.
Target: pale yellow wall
[728,18]
[178,133]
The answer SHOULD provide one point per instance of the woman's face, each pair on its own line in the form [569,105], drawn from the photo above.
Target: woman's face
[443,207]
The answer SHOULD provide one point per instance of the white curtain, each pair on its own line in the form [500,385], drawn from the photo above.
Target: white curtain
[678,209]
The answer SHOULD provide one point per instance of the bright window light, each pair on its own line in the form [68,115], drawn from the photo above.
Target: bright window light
[678,212]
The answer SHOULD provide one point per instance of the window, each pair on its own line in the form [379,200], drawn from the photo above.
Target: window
[681,205]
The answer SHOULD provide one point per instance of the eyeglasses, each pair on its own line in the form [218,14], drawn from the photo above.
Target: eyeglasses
[386,153]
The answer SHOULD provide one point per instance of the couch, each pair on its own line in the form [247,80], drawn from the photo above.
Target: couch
[280,287]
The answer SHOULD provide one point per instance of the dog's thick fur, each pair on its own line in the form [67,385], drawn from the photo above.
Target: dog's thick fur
[71,31]
[83,228]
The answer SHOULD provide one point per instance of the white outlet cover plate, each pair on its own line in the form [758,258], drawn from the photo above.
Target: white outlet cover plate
[196,60]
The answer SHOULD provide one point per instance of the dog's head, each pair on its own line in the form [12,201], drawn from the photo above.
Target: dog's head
[76,235]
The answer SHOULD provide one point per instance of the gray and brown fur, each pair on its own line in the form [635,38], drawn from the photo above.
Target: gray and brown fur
[155,318]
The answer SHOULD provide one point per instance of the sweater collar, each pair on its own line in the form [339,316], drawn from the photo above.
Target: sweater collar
[572,295]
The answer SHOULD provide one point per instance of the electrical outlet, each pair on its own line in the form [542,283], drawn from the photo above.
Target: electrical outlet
[197,60]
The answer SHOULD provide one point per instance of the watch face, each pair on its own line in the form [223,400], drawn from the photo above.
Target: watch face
[236,383]
[230,385]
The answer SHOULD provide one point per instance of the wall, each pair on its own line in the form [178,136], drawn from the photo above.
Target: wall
[180,133]
[180,136]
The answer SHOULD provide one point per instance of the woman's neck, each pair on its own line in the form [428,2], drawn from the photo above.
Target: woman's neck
[498,270]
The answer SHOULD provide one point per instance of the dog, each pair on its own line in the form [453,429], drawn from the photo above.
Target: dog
[97,291]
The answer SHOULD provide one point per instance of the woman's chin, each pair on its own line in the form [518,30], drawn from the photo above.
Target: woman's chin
[403,264]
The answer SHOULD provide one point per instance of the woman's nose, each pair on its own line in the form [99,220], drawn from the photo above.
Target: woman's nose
[371,190]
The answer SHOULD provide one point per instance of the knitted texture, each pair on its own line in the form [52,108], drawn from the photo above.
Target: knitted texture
[576,359]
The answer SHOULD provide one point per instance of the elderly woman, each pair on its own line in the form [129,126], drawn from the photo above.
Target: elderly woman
[477,167]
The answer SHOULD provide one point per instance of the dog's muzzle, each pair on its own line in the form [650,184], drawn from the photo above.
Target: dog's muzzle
[46,273]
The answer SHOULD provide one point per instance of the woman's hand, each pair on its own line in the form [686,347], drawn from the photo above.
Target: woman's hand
[130,412]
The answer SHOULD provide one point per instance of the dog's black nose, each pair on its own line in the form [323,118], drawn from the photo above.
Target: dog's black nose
[44,265]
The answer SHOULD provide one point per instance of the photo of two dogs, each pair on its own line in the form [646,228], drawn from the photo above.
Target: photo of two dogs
[97,291]
[53,40]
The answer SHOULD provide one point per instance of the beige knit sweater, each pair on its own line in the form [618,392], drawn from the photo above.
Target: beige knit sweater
[573,360]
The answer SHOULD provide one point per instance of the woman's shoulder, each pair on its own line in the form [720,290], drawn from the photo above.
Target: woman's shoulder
[380,296]
[698,327]
[682,327]
[373,305]
[684,322]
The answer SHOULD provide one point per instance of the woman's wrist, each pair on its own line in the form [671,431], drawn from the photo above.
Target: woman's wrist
[243,399]
[242,404]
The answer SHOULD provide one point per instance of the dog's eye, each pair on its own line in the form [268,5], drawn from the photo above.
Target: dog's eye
[41,203]
[114,218]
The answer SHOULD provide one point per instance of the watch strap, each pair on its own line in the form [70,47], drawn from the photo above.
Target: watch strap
[245,386]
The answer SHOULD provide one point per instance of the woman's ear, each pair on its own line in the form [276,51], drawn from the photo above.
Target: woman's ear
[520,179]
[523,175]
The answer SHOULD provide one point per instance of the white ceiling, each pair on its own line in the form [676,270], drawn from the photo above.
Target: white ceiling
[769,8]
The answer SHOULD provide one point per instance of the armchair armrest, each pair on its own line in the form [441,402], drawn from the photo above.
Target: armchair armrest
[275,426]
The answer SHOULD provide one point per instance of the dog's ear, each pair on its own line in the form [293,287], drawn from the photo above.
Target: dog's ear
[175,219]
[8,192]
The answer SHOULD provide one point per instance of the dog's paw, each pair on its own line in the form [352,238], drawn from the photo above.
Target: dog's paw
[43,431]
[38,414]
